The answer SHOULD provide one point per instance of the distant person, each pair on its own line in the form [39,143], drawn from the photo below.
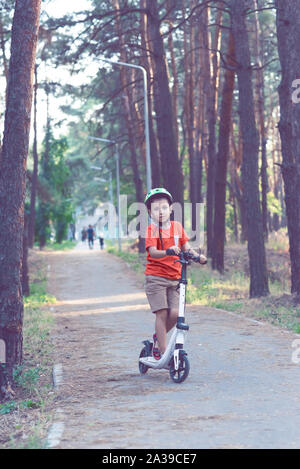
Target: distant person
[72,231]
[83,235]
[101,239]
[91,235]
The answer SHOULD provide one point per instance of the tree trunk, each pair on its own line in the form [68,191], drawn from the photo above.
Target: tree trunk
[31,223]
[221,162]
[235,181]
[25,276]
[190,81]
[203,84]
[256,248]
[288,32]
[155,162]
[12,180]
[260,96]
[276,170]
[171,170]
[211,151]
[174,76]
[233,196]
[130,118]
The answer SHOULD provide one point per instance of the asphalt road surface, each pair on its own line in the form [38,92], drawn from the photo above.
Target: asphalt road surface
[242,390]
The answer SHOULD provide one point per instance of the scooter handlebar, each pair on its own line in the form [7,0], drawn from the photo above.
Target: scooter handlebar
[187,256]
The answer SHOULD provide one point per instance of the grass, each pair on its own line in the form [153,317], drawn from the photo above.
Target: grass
[24,420]
[230,291]
[10,406]
[64,246]
[135,260]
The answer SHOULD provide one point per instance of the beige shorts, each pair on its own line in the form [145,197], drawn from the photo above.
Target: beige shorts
[161,292]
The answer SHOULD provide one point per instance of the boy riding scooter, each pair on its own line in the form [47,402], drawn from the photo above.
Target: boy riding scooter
[165,240]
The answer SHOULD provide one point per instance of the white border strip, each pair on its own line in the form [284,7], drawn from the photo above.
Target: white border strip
[55,434]
[57,375]
[57,428]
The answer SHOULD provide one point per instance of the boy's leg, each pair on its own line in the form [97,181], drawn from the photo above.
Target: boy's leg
[161,329]
[171,318]
[173,303]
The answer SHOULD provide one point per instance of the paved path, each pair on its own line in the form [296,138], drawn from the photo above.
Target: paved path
[242,391]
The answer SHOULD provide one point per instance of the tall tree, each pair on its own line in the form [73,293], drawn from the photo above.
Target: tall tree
[147,64]
[31,218]
[222,159]
[212,81]
[131,115]
[12,179]
[260,98]
[171,170]
[25,272]
[250,139]
[288,32]
[172,12]
[190,92]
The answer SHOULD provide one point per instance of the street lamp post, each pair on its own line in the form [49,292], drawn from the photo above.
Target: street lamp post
[118,182]
[146,117]
[104,180]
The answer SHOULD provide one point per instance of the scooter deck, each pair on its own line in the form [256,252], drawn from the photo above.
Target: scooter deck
[151,362]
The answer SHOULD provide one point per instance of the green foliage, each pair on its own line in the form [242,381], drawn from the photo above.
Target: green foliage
[229,220]
[26,379]
[42,226]
[273,204]
[57,212]
[11,406]
[8,407]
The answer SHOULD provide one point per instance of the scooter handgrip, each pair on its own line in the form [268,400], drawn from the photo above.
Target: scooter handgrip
[197,259]
[170,252]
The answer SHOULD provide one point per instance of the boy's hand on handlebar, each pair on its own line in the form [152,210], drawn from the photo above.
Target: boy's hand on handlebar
[202,259]
[173,251]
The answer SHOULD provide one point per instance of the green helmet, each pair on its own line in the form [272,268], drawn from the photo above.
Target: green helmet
[158,191]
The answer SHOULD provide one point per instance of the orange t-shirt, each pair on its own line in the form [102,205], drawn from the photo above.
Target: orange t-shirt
[164,266]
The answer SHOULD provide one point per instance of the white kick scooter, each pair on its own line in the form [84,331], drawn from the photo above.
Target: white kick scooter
[175,357]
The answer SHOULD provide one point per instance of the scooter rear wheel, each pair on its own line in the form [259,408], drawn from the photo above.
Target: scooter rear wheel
[143,368]
[178,376]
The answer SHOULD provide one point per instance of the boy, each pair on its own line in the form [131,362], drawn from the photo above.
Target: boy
[161,272]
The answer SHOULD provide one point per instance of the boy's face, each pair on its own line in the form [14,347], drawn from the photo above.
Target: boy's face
[160,210]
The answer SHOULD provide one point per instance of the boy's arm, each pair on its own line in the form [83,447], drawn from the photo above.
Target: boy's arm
[158,253]
[187,247]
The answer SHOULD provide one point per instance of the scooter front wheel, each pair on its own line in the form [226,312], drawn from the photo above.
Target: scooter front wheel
[178,376]
[143,368]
